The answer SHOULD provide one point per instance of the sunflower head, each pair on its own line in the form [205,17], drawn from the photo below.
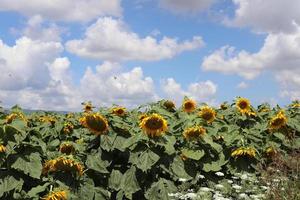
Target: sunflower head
[11,117]
[142,116]
[67,148]
[154,125]
[244,152]
[224,106]
[64,164]
[278,121]
[2,148]
[194,133]
[57,195]
[70,115]
[208,114]
[95,122]
[48,119]
[189,105]
[68,127]
[270,152]
[169,105]
[243,105]
[119,111]
[87,107]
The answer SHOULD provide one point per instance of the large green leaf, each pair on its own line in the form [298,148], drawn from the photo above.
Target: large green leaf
[94,162]
[178,169]
[130,184]
[29,164]
[9,183]
[161,190]
[193,154]
[114,180]
[144,160]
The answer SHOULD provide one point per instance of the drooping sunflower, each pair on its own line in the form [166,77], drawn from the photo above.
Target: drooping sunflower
[68,127]
[208,114]
[87,107]
[278,121]
[270,152]
[189,105]
[2,148]
[154,125]
[48,119]
[223,106]
[243,105]
[170,105]
[120,111]
[65,164]
[95,122]
[244,151]
[11,117]
[194,133]
[67,148]
[56,195]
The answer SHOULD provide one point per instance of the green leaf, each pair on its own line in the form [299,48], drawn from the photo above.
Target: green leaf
[29,164]
[144,160]
[161,190]
[114,180]
[38,189]
[10,183]
[94,162]
[195,155]
[178,169]
[130,184]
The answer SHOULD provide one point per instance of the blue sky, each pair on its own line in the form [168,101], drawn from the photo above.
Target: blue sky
[57,54]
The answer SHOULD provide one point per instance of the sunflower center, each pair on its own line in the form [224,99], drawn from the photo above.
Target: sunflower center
[154,124]
[188,105]
[96,123]
[120,111]
[278,122]
[207,116]
[243,105]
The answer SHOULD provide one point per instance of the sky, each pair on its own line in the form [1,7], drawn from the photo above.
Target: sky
[56,54]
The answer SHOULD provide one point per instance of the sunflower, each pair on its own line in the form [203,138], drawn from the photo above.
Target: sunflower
[11,117]
[170,105]
[48,119]
[278,121]
[189,105]
[68,127]
[87,107]
[208,114]
[120,111]
[66,164]
[70,115]
[67,148]
[270,152]
[96,123]
[244,151]
[142,116]
[194,132]
[296,105]
[2,148]
[154,125]
[223,106]
[243,105]
[56,195]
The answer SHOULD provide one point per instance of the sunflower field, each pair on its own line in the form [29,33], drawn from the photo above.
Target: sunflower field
[150,152]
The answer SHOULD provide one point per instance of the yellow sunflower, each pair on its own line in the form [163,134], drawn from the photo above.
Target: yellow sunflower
[189,105]
[2,148]
[278,121]
[194,132]
[96,123]
[223,106]
[120,111]
[68,127]
[142,116]
[64,164]
[67,148]
[296,105]
[154,125]
[56,195]
[244,151]
[243,105]
[9,118]
[208,114]
[169,105]
[87,107]
[48,119]
[270,152]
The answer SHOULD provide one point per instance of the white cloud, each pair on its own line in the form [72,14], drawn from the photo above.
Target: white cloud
[186,6]
[242,85]
[280,55]
[24,65]
[201,91]
[64,10]
[110,39]
[267,15]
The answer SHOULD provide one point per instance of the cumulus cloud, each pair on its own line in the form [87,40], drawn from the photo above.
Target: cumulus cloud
[64,10]
[267,15]
[242,85]
[24,65]
[279,55]
[200,91]
[186,6]
[110,39]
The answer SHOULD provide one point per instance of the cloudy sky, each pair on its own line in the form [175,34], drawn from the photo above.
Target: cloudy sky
[55,54]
